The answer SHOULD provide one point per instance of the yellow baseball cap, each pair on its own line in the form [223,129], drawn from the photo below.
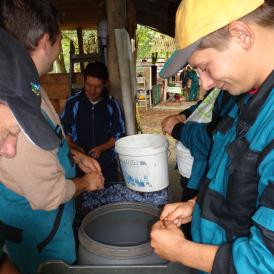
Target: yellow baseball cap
[197,18]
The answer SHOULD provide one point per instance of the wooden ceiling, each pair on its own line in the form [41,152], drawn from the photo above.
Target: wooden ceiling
[157,14]
[80,13]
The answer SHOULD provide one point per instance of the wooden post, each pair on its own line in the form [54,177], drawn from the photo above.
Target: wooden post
[128,78]
[165,90]
[131,18]
[132,25]
[117,19]
[81,46]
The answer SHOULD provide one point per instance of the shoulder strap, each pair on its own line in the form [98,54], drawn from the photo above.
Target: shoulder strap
[250,112]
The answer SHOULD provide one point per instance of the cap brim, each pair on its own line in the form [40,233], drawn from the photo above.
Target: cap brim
[178,60]
[34,124]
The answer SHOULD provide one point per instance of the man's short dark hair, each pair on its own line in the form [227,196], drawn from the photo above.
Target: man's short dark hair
[29,20]
[97,70]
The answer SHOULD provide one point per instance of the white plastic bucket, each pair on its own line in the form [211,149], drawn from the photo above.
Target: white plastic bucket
[143,159]
[184,160]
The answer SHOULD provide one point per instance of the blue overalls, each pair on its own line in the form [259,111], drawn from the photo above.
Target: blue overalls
[195,86]
[35,236]
[197,137]
[235,208]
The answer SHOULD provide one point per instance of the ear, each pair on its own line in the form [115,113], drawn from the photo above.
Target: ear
[43,42]
[243,33]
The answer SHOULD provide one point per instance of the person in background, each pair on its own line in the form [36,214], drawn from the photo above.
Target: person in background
[232,227]
[93,120]
[190,83]
[38,184]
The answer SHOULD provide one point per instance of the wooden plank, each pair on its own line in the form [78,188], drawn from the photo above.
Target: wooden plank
[116,18]
[57,84]
[131,18]
[128,78]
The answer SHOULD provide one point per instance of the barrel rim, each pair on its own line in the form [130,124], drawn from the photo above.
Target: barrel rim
[115,251]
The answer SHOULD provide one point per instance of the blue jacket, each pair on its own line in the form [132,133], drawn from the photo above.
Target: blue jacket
[90,125]
[197,137]
[235,205]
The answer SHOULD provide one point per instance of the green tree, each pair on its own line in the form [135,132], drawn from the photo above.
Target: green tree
[144,39]
[90,42]
[149,41]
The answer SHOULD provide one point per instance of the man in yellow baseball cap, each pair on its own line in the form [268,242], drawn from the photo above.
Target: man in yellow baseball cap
[230,43]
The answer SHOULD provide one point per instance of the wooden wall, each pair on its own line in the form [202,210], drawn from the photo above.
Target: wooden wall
[57,87]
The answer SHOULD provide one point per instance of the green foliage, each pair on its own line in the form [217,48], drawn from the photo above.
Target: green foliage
[149,42]
[144,38]
[90,42]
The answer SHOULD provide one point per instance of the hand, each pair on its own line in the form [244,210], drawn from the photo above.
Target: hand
[94,181]
[78,148]
[95,152]
[86,163]
[178,213]
[7,267]
[166,240]
[169,122]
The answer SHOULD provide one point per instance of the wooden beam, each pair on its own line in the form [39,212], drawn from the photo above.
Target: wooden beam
[128,78]
[131,18]
[158,15]
[81,46]
[116,18]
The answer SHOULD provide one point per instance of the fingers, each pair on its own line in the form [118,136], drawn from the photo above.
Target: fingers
[102,182]
[95,181]
[180,221]
[97,166]
[89,164]
[99,180]
[93,164]
[179,212]
[163,124]
[168,209]
[157,225]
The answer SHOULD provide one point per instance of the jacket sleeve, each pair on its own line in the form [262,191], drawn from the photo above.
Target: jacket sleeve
[117,126]
[197,137]
[187,112]
[37,175]
[194,136]
[254,254]
[67,118]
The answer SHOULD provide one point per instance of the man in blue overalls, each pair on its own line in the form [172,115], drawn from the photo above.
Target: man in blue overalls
[18,106]
[230,43]
[38,185]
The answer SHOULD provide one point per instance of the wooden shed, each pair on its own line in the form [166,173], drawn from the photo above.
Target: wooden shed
[157,14]
[119,14]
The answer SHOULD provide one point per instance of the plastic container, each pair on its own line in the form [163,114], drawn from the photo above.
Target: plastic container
[118,234]
[184,160]
[143,159]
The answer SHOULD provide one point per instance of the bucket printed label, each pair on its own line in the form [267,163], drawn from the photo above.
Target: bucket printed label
[136,173]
